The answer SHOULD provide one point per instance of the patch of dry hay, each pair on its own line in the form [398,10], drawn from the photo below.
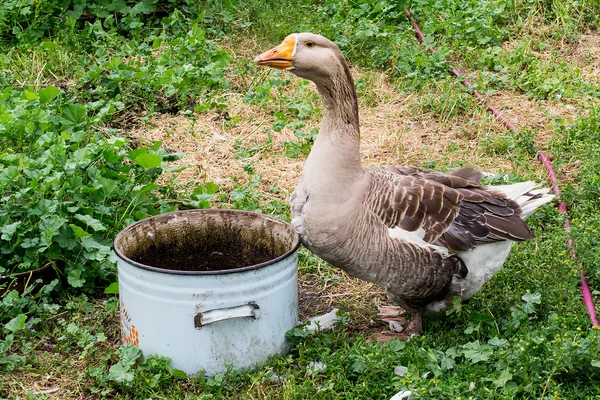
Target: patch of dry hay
[53,384]
[358,299]
[587,53]
[208,145]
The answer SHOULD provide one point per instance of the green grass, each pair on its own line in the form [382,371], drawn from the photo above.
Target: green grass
[76,83]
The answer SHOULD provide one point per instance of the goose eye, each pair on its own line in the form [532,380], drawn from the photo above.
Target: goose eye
[309,44]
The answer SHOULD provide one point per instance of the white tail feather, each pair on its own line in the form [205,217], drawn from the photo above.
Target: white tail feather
[515,190]
[522,193]
[530,206]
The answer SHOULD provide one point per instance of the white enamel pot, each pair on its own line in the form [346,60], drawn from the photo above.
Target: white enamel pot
[208,288]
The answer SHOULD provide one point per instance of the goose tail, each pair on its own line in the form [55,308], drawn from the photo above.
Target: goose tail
[486,259]
[527,194]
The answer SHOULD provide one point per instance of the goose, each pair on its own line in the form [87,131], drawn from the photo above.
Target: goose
[423,236]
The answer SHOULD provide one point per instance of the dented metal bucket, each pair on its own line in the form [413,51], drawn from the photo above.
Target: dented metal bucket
[208,288]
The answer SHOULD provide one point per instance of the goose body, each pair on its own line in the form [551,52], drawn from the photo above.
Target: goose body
[422,235]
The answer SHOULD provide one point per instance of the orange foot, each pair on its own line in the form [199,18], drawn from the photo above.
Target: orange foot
[402,325]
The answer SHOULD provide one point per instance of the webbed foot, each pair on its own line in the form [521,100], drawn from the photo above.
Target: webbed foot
[402,324]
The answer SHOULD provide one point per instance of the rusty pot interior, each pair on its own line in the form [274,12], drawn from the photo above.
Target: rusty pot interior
[206,241]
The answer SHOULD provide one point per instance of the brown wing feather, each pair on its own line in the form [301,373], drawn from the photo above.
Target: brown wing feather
[453,210]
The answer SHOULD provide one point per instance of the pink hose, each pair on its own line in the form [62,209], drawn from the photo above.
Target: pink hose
[562,207]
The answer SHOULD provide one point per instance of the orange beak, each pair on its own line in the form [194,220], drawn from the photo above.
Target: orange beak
[280,56]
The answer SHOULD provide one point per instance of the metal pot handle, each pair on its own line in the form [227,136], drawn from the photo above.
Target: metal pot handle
[220,314]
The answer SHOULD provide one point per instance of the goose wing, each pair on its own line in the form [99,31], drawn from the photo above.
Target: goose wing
[452,210]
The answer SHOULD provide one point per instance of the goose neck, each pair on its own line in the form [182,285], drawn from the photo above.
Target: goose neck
[334,166]
[340,105]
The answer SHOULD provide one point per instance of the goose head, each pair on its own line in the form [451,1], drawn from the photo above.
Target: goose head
[318,59]
[307,55]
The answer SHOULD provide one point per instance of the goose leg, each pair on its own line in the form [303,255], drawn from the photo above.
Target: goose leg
[402,325]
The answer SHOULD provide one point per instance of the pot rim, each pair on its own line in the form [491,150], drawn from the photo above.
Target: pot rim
[294,248]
